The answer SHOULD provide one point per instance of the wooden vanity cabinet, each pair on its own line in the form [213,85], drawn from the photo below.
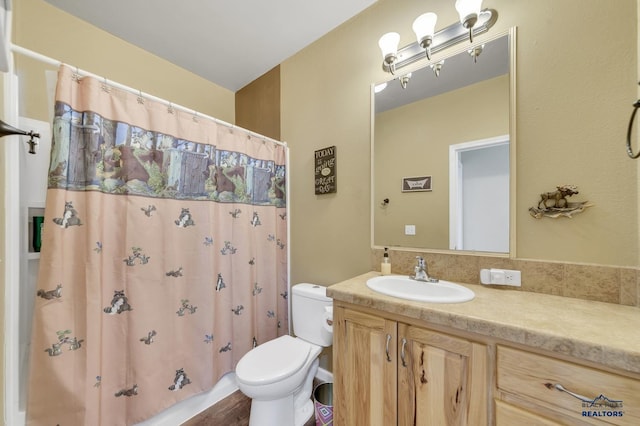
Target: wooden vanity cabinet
[528,394]
[442,379]
[392,367]
[388,372]
[365,374]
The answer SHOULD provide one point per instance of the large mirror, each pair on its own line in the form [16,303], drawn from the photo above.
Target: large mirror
[443,154]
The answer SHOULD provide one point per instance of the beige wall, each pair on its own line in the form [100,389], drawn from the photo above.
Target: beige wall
[414,140]
[258,105]
[576,80]
[40,27]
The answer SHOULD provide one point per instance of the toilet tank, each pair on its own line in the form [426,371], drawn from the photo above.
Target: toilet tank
[309,313]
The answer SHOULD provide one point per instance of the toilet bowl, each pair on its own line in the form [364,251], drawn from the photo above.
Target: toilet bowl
[273,375]
[278,375]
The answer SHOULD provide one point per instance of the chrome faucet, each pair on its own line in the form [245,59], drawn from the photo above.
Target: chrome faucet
[420,272]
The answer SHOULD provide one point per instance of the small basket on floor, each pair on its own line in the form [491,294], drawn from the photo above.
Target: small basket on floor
[323,404]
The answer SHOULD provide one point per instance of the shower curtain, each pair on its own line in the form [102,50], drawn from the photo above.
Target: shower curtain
[163,259]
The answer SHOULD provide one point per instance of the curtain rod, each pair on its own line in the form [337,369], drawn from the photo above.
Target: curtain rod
[54,62]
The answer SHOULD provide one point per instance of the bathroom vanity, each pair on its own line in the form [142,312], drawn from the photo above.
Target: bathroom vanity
[506,357]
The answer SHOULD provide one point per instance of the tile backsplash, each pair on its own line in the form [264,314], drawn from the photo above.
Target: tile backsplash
[612,284]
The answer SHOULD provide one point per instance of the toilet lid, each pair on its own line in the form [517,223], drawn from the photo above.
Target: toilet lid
[273,361]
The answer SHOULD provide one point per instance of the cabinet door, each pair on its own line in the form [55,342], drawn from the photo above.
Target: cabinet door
[365,383]
[442,380]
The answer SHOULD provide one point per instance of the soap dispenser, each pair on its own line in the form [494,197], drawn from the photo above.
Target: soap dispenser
[385,266]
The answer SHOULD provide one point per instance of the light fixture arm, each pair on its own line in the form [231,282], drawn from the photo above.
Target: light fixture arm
[426,43]
[446,37]
[7,130]
[470,24]
[390,64]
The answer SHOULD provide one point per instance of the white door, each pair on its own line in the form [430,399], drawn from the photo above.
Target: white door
[479,195]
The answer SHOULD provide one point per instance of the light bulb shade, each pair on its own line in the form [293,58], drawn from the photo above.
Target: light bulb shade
[389,44]
[468,9]
[425,26]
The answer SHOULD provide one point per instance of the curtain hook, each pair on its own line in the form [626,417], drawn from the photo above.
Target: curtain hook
[170,109]
[195,117]
[140,97]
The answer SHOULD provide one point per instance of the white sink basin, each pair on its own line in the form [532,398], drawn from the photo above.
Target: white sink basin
[406,288]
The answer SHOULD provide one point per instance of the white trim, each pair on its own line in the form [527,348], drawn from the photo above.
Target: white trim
[12,248]
[372,142]
[513,133]
[12,210]
[288,212]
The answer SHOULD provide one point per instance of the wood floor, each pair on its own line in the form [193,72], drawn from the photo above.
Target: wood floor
[231,411]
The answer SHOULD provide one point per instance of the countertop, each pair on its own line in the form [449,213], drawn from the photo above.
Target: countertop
[604,333]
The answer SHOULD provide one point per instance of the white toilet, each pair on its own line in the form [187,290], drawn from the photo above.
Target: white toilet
[278,375]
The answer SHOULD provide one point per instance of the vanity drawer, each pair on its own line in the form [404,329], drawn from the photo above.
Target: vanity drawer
[509,415]
[532,380]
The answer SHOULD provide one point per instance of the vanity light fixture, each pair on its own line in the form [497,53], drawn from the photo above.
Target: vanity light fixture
[469,10]
[389,46]
[425,26]
[437,67]
[475,52]
[404,80]
[473,21]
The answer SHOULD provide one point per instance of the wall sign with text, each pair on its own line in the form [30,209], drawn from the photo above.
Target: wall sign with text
[325,170]
[415,184]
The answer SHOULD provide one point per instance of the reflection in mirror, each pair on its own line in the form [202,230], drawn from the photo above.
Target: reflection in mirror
[452,128]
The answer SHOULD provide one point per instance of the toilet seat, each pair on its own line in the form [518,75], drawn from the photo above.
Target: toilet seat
[273,361]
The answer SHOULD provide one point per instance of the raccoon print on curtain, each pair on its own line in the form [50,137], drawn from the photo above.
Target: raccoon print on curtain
[163,260]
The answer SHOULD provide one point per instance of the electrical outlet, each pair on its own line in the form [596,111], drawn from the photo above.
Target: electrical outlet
[409,230]
[512,278]
[500,277]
